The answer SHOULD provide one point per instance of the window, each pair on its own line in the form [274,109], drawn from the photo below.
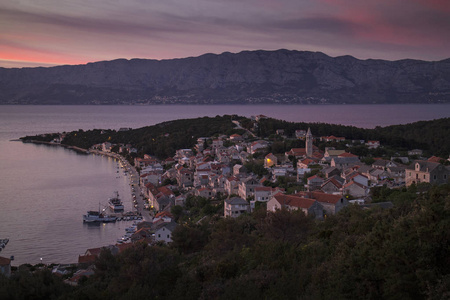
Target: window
[168,236]
[159,235]
[434,177]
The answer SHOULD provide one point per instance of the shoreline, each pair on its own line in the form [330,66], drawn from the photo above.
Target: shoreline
[126,165]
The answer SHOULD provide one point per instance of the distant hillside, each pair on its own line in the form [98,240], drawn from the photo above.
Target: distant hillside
[280,76]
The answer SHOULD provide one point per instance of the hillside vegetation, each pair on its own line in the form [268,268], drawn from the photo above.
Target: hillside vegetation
[397,253]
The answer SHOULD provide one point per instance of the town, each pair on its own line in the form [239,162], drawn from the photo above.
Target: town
[232,175]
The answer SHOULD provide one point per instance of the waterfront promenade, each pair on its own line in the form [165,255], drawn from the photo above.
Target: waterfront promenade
[133,177]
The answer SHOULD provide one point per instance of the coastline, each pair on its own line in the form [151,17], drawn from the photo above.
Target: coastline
[133,178]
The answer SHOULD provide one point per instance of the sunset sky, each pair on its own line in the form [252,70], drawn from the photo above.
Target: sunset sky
[56,32]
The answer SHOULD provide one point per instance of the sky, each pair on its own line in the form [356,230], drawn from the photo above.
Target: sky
[60,32]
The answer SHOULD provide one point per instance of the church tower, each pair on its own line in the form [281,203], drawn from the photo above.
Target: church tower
[309,143]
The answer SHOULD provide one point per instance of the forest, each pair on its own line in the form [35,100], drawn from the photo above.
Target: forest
[361,253]
[162,140]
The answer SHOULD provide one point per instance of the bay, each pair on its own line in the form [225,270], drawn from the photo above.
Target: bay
[45,190]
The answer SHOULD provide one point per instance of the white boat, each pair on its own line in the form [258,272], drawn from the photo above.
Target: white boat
[96,217]
[115,203]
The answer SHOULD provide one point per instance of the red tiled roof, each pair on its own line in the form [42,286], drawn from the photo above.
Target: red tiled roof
[334,182]
[295,201]
[86,259]
[435,159]
[315,177]
[322,197]
[164,214]
[4,261]
[165,190]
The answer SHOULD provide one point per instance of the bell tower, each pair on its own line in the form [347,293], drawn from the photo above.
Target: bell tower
[309,143]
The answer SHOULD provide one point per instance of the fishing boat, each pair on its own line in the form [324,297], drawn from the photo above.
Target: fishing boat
[93,216]
[115,203]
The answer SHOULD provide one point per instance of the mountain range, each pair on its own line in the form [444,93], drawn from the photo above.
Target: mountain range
[280,76]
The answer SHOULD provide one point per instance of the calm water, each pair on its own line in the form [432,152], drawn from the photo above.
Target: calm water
[44,191]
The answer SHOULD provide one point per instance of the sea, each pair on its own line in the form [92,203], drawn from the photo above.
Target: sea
[44,190]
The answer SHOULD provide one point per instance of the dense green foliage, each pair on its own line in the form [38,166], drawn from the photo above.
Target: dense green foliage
[427,135]
[163,139]
[398,253]
[160,140]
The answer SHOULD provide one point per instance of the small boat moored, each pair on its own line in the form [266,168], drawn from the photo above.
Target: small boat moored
[115,203]
[95,216]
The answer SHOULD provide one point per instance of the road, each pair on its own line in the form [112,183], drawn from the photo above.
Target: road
[134,183]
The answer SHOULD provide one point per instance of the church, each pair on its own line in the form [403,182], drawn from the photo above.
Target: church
[310,151]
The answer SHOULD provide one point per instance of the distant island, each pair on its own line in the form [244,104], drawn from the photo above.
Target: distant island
[248,77]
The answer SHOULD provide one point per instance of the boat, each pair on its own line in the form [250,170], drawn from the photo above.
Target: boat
[97,217]
[115,203]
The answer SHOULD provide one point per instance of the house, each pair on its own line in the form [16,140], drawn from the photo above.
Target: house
[355,189]
[106,147]
[376,175]
[258,146]
[232,185]
[306,163]
[427,171]
[217,143]
[163,216]
[331,171]
[344,162]
[234,207]
[236,138]
[247,187]
[163,231]
[180,200]
[330,153]
[373,144]
[357,177]
[295,202]
[382,164]
[332,138]
[435,159]
[331,186]
[397,174]
[417,152]
[300,134]
[314,183]
[239,170]
[264,193]
[331,204]
[160,197]
[205,193]
[5,266]
[270,160]
[184,177]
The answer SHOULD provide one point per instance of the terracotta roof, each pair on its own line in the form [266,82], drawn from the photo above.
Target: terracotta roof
[4,261]
[164,214]
[294,201]
[315,177]
[322,197]
[334,182]
[86,259]
[354,183]
[95,251]
[356,174]
[435,159]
